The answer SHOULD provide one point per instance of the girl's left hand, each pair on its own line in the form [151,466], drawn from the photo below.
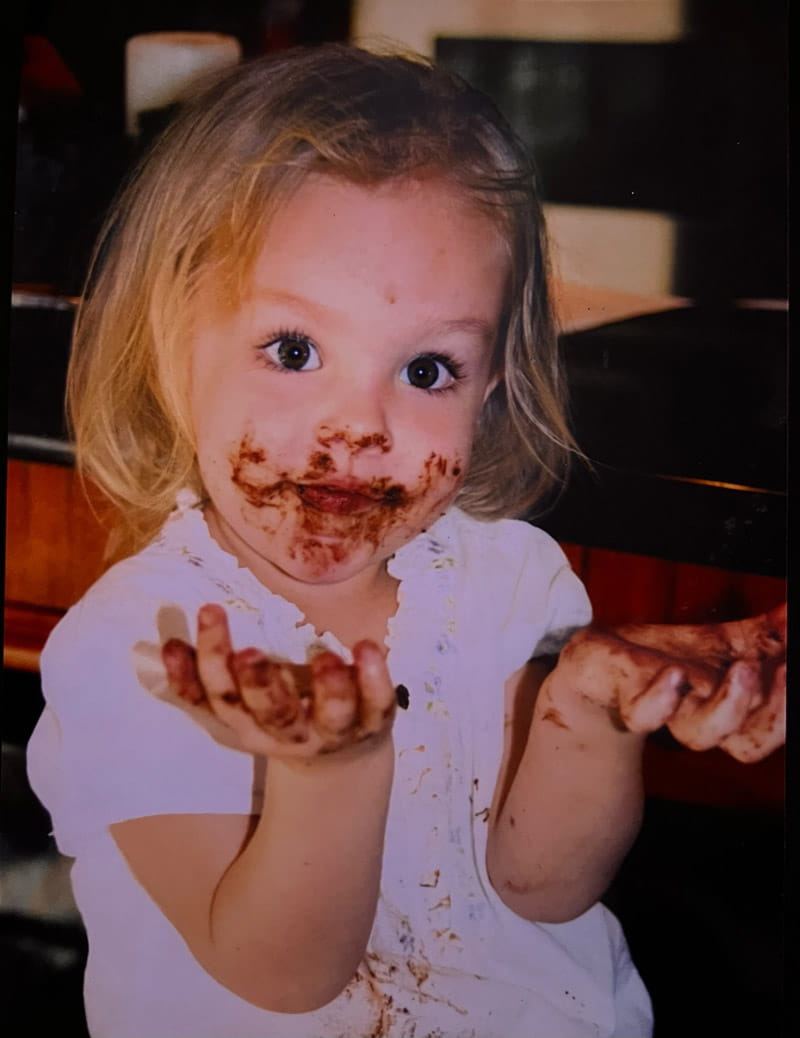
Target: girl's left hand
[712,685]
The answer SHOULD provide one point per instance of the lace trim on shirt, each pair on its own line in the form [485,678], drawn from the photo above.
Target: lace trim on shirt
[425,568]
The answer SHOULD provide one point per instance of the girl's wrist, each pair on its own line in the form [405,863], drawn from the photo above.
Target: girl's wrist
[562,705]
[373,752]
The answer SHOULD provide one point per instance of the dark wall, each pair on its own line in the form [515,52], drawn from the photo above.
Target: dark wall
[90,34]
[71,151]
[696,128]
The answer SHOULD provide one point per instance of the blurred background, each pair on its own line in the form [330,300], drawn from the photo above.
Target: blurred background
[659,128]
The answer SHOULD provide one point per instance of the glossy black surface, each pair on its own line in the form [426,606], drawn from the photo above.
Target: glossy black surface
[695,393]
[666,406]
[37,366]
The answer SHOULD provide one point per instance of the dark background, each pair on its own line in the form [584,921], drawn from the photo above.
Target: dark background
[696,128]
[703,136]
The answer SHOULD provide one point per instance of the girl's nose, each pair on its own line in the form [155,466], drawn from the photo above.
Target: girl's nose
[356,421]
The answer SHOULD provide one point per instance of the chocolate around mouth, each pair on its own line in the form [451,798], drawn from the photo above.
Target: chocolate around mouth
[249,462]
[347,499]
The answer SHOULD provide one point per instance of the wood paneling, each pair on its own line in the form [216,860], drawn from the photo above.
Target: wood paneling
[26,628]
[54,552]
[703,594]
[626,587]
[54,538]
[637,588]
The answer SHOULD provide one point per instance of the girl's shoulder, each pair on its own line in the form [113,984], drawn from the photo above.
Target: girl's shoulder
[514,584]
[179,570]
[110,746]
[499,548]
[155,595]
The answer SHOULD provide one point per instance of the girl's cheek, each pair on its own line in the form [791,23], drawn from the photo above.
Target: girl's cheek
[440,477]
[252,475]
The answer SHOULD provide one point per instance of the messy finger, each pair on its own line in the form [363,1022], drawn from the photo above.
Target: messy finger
[759,637]
[270,693]
[709,642]
[335,695]
[181,667]
[184,684]
[378,696]
[214,654]
[764,730]
[701,725]
[610,671]
[652,708]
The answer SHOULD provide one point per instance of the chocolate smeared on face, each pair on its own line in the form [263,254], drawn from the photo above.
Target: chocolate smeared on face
[355,442]
[258,493]
[318,464]
[332,519]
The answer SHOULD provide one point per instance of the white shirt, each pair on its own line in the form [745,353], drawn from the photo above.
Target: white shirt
[445,957]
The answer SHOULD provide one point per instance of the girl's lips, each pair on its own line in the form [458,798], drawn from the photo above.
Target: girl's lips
[336,499]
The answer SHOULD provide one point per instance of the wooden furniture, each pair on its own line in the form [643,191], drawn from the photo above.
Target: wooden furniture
[54,552]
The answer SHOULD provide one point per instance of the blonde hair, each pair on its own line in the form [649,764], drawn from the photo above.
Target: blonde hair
[201,203]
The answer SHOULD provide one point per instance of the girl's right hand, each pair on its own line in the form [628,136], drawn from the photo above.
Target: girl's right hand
[304,713]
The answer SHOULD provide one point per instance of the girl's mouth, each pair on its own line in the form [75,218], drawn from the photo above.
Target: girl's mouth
[336,500]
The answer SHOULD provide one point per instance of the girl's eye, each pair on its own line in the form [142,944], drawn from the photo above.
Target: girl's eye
[292,353]
[431,371]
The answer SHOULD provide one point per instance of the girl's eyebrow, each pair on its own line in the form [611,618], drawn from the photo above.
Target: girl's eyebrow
[276,295]
[479,327]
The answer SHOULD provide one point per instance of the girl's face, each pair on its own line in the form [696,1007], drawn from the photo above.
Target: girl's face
[334,409]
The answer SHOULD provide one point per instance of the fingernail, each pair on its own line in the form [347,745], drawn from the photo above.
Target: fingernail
[171,650]
[367,651]
[173,655]
[208,615]
[402,697]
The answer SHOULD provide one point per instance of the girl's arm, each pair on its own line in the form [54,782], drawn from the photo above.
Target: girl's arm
[570,809]
[569,801]
[279,908]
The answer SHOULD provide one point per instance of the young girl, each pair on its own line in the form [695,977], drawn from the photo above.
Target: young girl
[319,322]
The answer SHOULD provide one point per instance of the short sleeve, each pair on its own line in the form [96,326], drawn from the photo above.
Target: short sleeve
[568,609]
[105,750]
[540,600]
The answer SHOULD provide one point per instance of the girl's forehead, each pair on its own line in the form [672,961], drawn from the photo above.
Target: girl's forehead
[387,225]
[406,207]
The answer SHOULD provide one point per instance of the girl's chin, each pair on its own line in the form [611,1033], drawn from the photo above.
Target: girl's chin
[324,561]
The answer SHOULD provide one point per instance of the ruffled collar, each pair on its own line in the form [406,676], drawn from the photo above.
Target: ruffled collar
[425,569]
